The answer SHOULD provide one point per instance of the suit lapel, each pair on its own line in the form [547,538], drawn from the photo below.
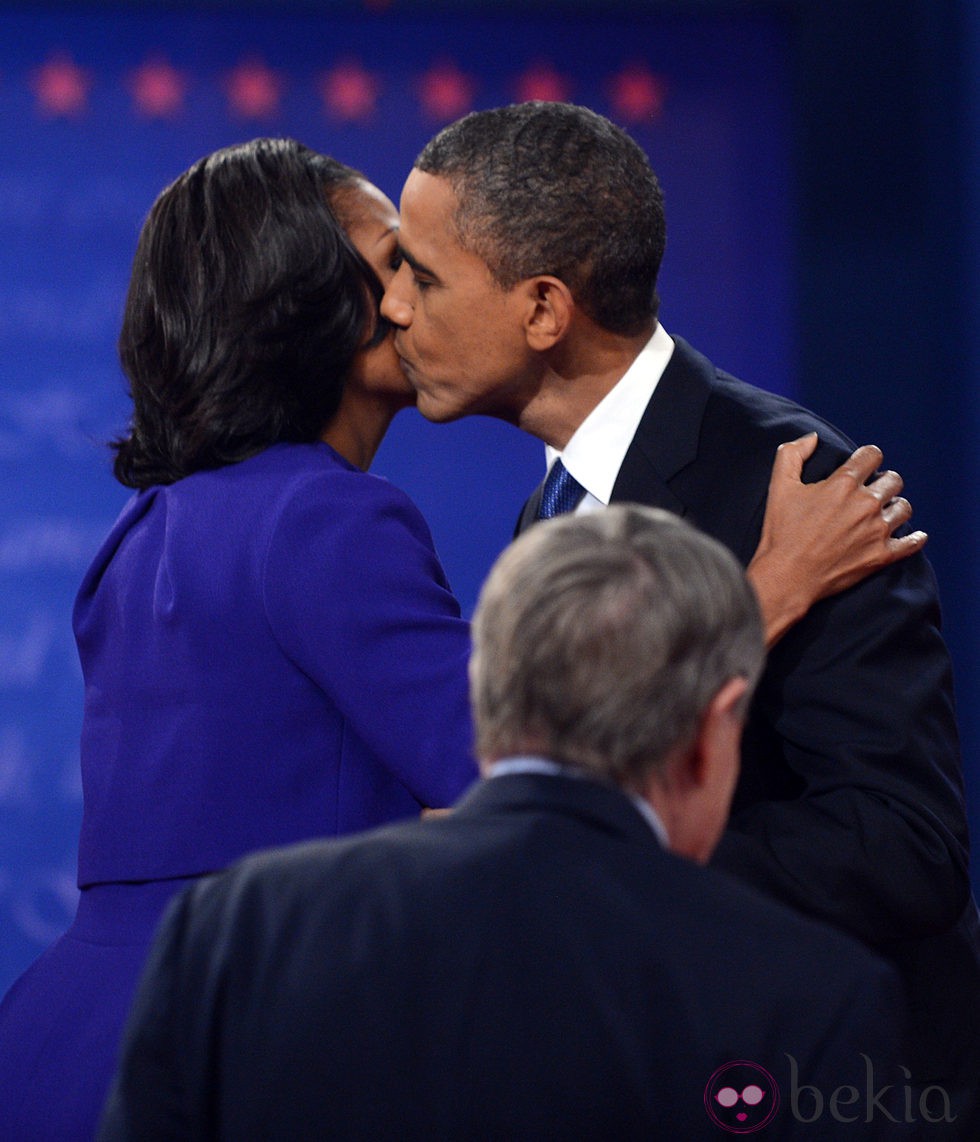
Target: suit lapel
[529,513]
[666,440]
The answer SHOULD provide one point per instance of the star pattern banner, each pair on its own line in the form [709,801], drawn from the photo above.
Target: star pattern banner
[101,109]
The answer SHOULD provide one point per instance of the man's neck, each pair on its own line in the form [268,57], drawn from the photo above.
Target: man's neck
[581,371]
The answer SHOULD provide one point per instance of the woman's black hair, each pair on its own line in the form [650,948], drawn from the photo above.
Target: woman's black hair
[246,306]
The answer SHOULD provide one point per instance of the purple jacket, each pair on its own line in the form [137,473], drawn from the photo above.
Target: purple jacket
[271,652]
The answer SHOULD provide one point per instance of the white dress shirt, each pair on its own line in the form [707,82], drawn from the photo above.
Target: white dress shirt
[596,451]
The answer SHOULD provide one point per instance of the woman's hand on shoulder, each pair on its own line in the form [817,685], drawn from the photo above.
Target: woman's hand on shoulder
[819,539]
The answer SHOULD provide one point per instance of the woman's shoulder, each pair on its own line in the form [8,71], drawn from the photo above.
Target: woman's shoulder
[314,475]
[279,479]
[310,494]
[304,491]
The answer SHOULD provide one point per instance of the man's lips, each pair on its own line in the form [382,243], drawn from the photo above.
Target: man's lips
[406,365]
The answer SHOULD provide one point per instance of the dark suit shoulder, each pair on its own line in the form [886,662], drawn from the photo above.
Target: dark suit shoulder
[753,420]
[706,443]
[779,941]
[556,874]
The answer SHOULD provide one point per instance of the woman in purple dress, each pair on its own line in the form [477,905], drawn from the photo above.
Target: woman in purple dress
[270,649]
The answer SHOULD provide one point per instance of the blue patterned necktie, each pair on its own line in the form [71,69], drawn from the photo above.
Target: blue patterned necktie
[561,492]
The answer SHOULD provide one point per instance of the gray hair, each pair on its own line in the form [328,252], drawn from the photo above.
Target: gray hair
[600,639]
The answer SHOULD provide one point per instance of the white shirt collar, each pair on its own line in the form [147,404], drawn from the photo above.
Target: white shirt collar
[596,451]
[544,765]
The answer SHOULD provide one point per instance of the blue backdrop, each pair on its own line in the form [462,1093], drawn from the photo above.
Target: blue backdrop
[98,110]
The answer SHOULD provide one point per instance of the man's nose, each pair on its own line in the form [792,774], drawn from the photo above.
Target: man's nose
[394,307]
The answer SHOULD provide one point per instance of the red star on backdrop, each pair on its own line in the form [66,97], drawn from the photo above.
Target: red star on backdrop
[254,90]
[445,92]
[61,86]
[637,94]
[541,81]
[158,89]
[349,92]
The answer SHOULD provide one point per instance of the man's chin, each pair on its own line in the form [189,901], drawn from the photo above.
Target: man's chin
[435,410]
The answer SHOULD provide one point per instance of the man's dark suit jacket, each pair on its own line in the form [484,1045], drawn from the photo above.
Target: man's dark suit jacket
[534,966]
[850,803]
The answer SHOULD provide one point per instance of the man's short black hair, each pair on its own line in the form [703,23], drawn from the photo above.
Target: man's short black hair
[552,188]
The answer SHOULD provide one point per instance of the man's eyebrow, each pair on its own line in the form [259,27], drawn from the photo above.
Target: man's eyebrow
[417,266]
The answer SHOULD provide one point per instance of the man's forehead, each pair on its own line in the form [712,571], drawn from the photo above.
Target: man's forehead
[428,201]
[428,239]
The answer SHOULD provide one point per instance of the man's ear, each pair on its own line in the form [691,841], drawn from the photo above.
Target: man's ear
[694,792]
[719,739]
[548,312]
